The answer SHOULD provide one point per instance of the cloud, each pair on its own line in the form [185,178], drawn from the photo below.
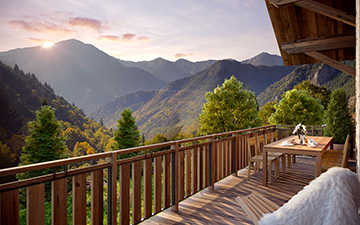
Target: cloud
[109,37]
[179,55]
[86,22]
[39,27]
[143,38]
[37,40]
[127,37]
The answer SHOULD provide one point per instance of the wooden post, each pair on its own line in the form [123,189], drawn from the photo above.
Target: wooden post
[175,178]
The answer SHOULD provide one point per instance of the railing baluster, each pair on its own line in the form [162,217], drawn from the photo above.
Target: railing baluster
[147,187]
[136,192]
[124,194]
[79,199]
[181,175]
[9,207]
[175,178]
[166,181]
[59,201]
[206,172]
[235,157]
[35,201]
[97,197]
[201,167]
[188,172]
[212,168]
[195,170]
[111,190]
[157,184]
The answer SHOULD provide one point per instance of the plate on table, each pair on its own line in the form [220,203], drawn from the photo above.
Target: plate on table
[286,144]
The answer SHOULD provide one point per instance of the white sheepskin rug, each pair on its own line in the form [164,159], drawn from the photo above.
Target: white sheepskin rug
[332,199]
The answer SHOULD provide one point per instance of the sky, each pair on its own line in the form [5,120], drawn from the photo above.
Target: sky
[138,30]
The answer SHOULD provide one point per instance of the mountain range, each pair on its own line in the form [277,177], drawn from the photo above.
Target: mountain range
[176,107]
[170,71]
[81,73]
[165,97]
[264,59]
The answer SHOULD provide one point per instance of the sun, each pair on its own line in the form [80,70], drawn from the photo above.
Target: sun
[47,44]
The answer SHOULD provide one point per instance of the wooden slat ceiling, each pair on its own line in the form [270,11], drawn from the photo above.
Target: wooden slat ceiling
[316,31]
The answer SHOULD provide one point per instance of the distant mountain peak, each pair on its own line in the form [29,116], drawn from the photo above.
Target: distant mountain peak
[264,59]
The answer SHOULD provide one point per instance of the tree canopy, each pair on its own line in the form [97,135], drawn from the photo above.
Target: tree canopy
[337,117]
[230,107]
[44,142]
[266,111]
[319,92]
[298,107]
[127,134]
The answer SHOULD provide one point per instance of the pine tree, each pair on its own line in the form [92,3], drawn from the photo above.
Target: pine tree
[44,142]
[127,134]
[337,117]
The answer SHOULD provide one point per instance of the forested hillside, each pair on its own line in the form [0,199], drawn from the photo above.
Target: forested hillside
[22,94]
[319,74]
[110,112]
[176,107]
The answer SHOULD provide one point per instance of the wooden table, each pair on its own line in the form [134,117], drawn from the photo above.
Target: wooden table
[324,143]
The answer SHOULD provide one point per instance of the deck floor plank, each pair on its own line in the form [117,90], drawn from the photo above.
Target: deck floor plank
[219,206]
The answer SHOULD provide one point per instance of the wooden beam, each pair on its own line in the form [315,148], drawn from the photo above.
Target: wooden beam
[327,11]
[319,44]
[278,3]
[331,62]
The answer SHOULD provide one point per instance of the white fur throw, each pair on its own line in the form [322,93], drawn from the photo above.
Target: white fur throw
[333,198]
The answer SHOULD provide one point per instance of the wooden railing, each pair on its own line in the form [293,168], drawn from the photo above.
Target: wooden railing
[148,183]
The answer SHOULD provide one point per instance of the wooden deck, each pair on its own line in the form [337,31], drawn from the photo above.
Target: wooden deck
[219,206]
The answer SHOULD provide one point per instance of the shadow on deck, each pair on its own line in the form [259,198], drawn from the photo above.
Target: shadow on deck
[219,206]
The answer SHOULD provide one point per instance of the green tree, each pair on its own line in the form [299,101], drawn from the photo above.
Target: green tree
[266,111]
[315,91]
[81,148]
[127,134]
[337,117]
[44,142]
[230,107]
[298,107]
[7,159]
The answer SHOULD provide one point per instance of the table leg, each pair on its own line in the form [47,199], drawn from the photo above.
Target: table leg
[265,171]
[318,165]
[289,160]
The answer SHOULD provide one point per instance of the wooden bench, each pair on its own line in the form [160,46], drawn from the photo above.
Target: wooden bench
[256,205]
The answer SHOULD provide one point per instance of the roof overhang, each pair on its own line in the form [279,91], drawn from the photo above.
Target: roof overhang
[316,31]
